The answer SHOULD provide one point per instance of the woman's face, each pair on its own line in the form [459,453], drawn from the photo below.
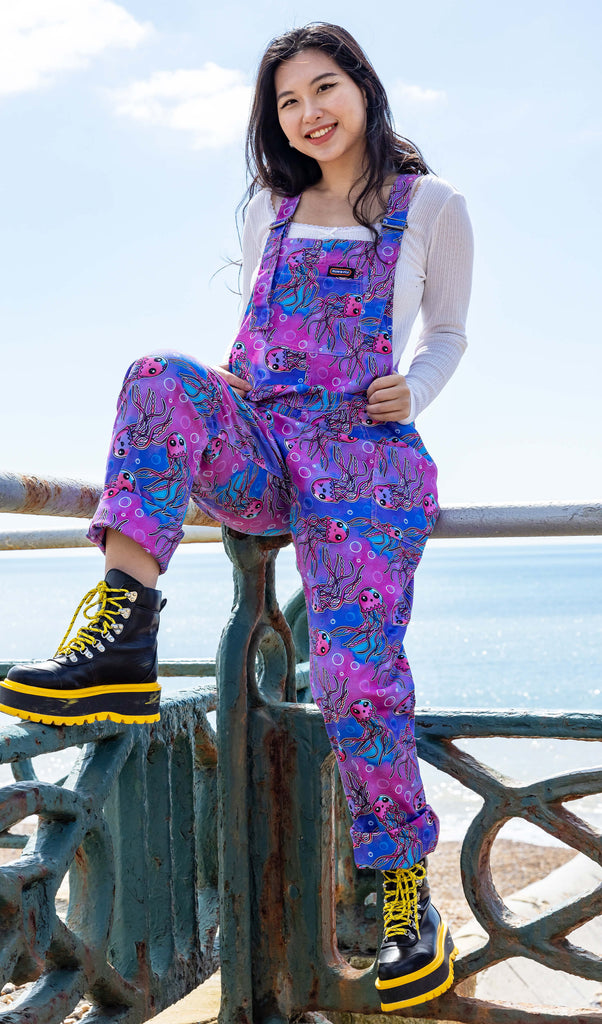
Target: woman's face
[321,110]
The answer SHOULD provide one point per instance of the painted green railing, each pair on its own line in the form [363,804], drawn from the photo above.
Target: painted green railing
[148,813]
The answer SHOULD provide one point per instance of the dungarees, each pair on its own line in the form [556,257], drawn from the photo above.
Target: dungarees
[300,454]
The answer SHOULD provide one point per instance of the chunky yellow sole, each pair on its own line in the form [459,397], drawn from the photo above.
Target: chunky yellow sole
[439,961]
[83,692]
[127,703]
[99,716]
[426,996]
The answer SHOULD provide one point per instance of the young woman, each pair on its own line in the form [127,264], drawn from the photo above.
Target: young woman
[308,429]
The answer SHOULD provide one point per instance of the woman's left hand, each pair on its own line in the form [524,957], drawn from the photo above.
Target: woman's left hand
[389,398]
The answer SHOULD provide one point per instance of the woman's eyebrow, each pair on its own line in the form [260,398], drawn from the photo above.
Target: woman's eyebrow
[289,92]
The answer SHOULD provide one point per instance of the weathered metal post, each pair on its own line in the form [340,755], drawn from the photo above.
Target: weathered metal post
[255,625]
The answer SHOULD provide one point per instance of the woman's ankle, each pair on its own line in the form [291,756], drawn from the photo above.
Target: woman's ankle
[124,553]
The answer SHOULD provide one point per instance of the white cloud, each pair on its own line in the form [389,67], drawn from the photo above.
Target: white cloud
[414,97]
[210,103]
[39,38]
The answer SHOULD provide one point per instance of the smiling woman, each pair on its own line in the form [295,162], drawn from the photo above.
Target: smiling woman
[309,430]
[308,81]
[320,105]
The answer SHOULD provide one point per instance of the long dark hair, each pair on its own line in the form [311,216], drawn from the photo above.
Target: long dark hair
[273,164]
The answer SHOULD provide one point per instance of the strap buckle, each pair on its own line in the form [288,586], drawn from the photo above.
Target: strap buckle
[396,222]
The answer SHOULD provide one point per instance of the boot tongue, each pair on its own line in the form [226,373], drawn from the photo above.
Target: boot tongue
[147,597]
[119,580]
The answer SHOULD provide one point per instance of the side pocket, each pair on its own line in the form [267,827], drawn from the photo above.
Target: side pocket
[404,492]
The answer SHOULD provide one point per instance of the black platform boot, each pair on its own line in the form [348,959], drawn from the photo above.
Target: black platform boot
[415,962]
[107,670]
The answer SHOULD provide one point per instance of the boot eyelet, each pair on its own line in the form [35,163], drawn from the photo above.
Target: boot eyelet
[100,647]
[125,613]
[133,595]
[73,657]
[88,654]
[118,628]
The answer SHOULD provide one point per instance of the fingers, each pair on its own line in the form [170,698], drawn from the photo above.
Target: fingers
[388,398]
[384,383]
[382,398]
[238,384]
[378,408]
[392,400]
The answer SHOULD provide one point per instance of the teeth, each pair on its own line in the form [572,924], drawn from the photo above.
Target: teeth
[320,132]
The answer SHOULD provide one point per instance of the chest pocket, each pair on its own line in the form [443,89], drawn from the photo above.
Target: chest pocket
[334,319]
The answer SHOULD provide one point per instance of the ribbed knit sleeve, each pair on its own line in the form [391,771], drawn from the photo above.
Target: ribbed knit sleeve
[260,214]
[445,298]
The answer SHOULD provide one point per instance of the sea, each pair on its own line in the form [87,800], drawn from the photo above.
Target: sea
[496,625]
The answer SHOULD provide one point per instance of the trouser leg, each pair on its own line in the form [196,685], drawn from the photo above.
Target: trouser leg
[181,432]
[357,559]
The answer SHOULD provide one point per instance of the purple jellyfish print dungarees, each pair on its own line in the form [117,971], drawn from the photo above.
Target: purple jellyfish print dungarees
[300,454]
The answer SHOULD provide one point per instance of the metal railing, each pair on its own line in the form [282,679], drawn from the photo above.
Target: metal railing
[147,812]
[78,499]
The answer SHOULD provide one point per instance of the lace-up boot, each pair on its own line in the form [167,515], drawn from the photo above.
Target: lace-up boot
[415,962]
[107,670]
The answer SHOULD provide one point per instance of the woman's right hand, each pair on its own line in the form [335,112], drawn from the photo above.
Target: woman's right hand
[240,386]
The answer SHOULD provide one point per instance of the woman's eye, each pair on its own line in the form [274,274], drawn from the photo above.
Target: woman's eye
[326,85]
[286,103]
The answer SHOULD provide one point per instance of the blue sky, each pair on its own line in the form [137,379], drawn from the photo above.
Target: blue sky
[122,168]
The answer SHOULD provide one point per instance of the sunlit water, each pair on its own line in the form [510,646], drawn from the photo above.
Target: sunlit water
[495,625]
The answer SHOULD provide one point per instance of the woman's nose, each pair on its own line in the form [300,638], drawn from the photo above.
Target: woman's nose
[312,112]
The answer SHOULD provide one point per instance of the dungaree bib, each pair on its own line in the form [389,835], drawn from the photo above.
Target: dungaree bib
[300,454]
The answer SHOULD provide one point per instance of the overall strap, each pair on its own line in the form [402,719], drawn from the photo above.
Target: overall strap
[262,292]
[382,272]
[395,219]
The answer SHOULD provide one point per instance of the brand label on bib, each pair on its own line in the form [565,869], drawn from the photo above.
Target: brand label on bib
[341,272]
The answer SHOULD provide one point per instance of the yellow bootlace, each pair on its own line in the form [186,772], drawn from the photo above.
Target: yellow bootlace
[400,890]
[101,618]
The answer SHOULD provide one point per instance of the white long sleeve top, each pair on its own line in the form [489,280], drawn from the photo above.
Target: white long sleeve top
[433,276]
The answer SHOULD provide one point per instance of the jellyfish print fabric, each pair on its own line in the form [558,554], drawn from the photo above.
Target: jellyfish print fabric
[299,454]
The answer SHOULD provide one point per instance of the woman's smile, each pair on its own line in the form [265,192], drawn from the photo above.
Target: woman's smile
[319,135]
